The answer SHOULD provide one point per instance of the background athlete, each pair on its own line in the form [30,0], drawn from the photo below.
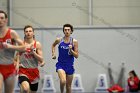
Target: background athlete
[29,61]
[68,49]
[9,42]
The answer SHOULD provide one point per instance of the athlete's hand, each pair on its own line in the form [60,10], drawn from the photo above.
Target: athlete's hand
[70,46]
[32,48]
[20,65]
[70,49]
[5,45]
[16,64]
[53,56]
[41,64]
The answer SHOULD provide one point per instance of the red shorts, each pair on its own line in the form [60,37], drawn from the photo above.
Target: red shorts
[31,73]
[7,70]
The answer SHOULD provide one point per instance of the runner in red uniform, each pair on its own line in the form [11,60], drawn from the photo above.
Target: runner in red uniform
[8,46]
[29,61]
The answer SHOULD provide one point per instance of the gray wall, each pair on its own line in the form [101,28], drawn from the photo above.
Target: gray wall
[3,5]
[76,12]
[116,12]
[97,47]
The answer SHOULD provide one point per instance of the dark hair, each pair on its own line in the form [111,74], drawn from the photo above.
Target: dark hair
[1,11]
[133,72]
[29,26]
[68,25]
